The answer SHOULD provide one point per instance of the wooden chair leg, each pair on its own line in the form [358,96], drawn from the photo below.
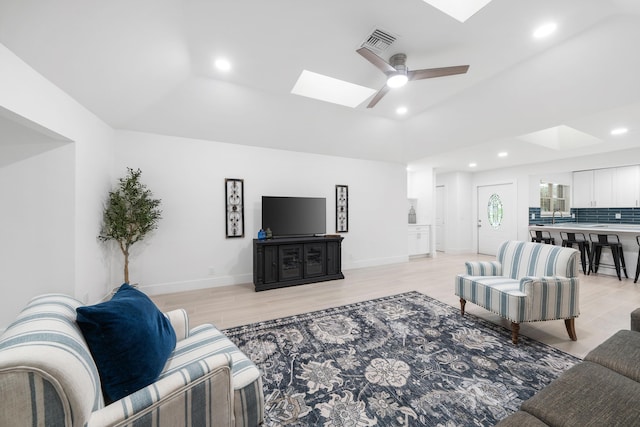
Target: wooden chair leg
[571,328]
[515,328]
[462,303]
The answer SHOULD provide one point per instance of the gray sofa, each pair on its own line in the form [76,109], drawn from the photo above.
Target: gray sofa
[602,390]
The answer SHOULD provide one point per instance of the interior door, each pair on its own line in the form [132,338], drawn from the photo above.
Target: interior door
[439,229]
[496,217]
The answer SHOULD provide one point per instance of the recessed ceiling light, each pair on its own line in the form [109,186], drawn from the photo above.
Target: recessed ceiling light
[503,154]
[473,165]
[401,110]
[222,64]
[545,30]
[619,131]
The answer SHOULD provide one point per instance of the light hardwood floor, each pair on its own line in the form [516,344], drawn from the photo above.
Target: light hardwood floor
[605,302]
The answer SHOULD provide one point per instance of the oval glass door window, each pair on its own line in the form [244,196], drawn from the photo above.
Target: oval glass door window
[495,211]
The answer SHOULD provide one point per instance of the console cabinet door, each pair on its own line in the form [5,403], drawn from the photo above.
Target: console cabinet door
[333,258]
[291,257]
[314,259]
[270,264]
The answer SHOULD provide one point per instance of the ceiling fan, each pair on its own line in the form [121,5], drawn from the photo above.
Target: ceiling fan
[398,74]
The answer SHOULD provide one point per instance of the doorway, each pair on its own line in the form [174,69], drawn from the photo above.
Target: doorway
[496,216]
[439,218]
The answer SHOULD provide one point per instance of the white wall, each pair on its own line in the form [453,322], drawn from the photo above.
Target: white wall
[51,207]
[36,225]
[189,250]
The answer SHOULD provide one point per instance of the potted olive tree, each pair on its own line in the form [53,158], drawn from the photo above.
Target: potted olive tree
[129,215]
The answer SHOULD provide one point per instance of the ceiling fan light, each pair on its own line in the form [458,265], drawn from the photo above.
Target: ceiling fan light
[397,80]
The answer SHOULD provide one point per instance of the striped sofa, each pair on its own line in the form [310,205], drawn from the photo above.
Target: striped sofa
[48,378]
[528,282]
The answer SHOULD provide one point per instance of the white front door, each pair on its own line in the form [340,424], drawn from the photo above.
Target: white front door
[496,217]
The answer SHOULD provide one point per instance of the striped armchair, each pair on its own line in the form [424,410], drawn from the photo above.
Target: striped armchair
[48,378]
[528,282]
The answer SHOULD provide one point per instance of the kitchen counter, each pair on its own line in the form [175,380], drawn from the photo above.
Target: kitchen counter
[586,227]
[626,232]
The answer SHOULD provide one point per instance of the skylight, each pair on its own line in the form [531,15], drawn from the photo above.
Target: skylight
[324,88]
[561,138]
[459,9]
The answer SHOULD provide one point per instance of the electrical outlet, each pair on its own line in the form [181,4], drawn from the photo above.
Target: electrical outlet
[533,216]
[618,216]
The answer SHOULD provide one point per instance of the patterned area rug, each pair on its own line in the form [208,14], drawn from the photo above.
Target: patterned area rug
[396,361]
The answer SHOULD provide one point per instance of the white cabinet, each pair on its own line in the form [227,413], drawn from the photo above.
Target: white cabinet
[419,239]
[626,186]
[583,189]
[607,188]
[603,196]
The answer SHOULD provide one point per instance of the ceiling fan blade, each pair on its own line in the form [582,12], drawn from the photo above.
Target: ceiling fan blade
[430,73]
[380,63]
[382,92]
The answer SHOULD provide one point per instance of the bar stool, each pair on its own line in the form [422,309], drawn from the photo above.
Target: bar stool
[638,265]
[599,241]
[539,236]
[570,239]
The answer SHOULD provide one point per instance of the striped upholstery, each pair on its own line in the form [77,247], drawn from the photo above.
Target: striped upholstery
[483,268]
[48,378]
[529,282]
[519,259]
[206,340]
[47,375]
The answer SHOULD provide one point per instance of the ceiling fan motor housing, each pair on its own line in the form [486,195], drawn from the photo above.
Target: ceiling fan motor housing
[398,61]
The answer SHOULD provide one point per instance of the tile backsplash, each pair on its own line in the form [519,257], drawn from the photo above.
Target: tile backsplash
[547,219]
[595,215]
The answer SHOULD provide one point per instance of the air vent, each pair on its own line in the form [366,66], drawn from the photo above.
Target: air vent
[379,41]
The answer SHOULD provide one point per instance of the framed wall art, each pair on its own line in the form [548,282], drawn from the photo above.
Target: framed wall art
[342,208]
[234,201]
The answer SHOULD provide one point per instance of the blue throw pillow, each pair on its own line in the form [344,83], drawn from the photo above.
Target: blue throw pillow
[130,340]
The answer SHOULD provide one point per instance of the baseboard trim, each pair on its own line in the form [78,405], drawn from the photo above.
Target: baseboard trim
[193,285]
[242,279]
[374,262]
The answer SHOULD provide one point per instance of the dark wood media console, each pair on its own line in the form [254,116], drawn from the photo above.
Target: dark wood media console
[296,261]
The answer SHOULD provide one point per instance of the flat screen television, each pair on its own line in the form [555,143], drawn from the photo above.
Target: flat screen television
[294,216]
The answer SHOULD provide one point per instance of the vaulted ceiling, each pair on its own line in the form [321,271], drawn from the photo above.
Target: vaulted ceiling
[146,65]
